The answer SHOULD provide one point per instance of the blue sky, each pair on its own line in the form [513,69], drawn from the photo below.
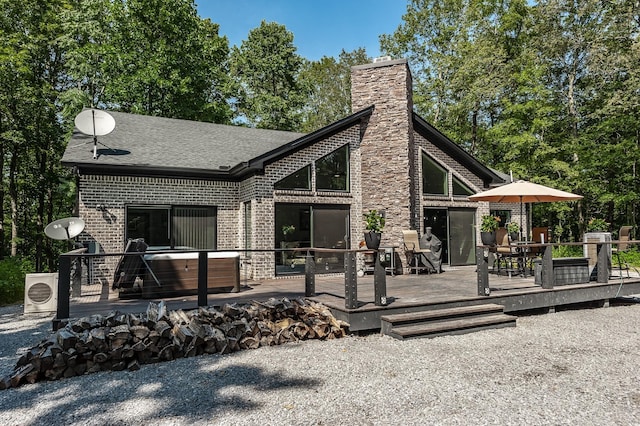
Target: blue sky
[320,27]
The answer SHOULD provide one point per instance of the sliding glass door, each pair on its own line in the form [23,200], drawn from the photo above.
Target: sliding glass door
[456,229]
[307,225]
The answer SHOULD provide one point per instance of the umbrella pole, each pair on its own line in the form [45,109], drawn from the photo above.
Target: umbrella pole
[521,238]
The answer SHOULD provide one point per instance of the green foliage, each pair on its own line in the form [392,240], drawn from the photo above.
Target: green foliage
[545,89]
[512,227]
[12,274]
[597,224]
[489,223]
[266,66]
[327,83]
[567,251]
[374,221]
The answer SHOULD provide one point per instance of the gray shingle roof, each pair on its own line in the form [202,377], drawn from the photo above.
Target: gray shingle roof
[166,143]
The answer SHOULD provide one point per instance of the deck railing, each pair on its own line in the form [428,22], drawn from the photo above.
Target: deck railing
[547,273]
[70,271]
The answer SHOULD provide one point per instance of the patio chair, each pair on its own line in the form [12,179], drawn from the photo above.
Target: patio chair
[416,256]
[539,234]
[505,252]
[618,251]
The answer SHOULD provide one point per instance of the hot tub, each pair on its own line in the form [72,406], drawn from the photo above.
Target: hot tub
[177,274]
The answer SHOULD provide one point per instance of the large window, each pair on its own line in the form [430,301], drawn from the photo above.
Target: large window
[173,226]
[332,171]
[434,177]
[459,188]
[300,179]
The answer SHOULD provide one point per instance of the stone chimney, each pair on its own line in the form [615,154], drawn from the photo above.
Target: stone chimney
[387,149]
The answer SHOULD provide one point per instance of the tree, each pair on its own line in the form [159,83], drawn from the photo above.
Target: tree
[31,134]
[327,83]
[266,67]
[152,57]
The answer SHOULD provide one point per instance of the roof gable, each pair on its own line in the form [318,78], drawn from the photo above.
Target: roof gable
[433,135]
[148,145]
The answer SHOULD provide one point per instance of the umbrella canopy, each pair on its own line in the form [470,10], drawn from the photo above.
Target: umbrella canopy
[524,192]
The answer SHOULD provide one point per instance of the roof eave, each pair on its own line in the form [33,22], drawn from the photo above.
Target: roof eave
[149,171]
[258,163]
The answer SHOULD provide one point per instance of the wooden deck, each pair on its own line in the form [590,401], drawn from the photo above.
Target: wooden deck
[405,293]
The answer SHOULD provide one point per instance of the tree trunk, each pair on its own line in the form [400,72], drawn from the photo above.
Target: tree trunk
[42,168]
[13,196]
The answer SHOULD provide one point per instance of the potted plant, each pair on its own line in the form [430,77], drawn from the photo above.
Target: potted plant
[513,229]
[374,223]
[488,228]
[288,230]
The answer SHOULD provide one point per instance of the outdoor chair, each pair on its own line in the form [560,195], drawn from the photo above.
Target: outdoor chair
[539,235]
[416,256]
[505,252]
[621,248]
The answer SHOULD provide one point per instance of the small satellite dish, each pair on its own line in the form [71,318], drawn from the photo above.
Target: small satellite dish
[95,122]
[64,229]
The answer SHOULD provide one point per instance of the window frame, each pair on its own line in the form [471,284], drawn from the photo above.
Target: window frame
[445,172]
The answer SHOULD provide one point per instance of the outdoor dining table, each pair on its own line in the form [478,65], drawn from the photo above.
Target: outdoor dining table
[521,251]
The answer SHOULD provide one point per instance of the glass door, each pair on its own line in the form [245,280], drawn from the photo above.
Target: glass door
[330,230]
[306,225]
[437,220]
[462,237]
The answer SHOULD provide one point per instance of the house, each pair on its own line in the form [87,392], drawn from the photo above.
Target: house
[209,186]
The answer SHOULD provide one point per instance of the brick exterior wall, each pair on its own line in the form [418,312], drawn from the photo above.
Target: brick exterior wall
[116,192]
[385,174]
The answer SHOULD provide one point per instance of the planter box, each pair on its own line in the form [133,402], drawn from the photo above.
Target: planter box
[591,250]
[567,270]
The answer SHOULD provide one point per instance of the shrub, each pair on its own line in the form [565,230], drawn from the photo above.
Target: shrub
[597,224]
[12,274]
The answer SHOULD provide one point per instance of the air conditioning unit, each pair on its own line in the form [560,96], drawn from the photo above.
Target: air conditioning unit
[41,293]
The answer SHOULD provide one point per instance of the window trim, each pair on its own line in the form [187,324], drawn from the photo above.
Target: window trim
[438,166]
[171,208]
[347,171]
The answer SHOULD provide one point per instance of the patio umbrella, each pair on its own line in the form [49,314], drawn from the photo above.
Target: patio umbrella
[524,192]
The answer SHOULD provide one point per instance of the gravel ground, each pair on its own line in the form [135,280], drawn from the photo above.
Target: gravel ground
[571,367]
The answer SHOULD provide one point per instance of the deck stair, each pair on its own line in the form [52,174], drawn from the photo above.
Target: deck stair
[446,321]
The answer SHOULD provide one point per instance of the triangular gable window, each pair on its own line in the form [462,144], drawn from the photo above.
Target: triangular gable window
[460,189]
[300,179]
[332,171]
[434,177]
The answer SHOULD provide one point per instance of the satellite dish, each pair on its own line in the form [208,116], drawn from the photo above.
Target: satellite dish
[95,122]
[64,229]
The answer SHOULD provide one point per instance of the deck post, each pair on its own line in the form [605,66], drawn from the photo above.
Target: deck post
[64,286]
[548,276]
[482,271]
[203,259]
[379,281]
[76,286]
[603,264]
[350,281]
[309,275]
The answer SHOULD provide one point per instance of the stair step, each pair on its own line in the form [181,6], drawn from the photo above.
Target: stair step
[453,326]
[442,314]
